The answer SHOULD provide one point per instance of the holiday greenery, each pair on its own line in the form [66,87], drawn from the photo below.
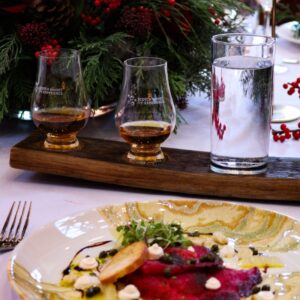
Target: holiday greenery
[106,32]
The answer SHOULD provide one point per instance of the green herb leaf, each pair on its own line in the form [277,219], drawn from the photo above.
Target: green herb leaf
[154,232]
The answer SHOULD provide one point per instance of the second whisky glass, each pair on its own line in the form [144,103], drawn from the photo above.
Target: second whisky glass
[145,113]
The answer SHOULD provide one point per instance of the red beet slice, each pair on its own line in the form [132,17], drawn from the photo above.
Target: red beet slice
[183,260]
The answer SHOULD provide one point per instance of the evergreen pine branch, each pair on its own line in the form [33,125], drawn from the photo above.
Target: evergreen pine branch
[3,96]
[102,70]
[10,49]
[177,84]
[20,88]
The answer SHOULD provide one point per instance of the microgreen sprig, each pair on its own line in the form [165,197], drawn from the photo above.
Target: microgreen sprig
[153,232]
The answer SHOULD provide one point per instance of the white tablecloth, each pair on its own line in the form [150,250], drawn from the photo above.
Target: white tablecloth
[55,197]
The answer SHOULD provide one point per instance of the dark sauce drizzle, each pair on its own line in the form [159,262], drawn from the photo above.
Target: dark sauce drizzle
[66,271]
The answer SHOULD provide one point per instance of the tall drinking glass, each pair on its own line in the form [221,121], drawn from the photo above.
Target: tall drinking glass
[145,114]
[242,95]
[60,105]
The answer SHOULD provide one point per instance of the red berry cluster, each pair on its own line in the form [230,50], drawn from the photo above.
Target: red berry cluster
[51,50]
[165,12]
[137,20]
[110,4]
[291,87]
[215,15]
[34,34]
[285,133]
[93,21]
[172,2]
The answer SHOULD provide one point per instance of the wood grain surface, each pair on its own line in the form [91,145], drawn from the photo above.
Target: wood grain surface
[185,171]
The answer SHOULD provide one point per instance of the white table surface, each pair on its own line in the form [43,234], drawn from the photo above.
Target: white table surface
[56,197]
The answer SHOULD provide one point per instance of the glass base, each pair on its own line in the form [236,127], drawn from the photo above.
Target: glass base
[145,155]
[238,166]
[61,142]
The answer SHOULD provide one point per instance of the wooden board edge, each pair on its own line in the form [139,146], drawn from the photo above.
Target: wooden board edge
[118,174]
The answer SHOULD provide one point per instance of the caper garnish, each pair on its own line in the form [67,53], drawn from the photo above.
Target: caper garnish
[77,268]
[255,290]
[92,291]
[167,259]
[208,258]
[214,248]
[103,254]
[265,287]
[112,252]
[167,272]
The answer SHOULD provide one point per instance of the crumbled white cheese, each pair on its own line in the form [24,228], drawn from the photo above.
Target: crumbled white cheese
[212,283]
[86,281]
[263,295]
[191,248]
[155,252]
[220,238]
[88,263]
[130,292]
[227,251]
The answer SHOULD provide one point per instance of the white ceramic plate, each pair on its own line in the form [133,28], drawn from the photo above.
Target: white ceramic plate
[285,31]
[36,264]
[285,113]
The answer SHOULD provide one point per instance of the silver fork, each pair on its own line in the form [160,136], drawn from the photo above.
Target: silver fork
[11,235]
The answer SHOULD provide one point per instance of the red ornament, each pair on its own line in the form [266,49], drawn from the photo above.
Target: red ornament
[172,2]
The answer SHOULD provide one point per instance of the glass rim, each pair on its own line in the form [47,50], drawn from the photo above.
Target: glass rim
[162,62]
[45,54]
[269,41]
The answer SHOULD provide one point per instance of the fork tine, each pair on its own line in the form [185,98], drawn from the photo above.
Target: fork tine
[20,221]
[14,221]
[7,221]
[26,222]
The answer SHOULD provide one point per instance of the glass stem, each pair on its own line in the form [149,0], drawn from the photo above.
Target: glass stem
[267,27]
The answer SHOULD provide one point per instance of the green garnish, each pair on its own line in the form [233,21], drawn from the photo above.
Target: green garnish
[154,232]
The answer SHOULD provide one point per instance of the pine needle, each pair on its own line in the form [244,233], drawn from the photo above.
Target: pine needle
[10,49]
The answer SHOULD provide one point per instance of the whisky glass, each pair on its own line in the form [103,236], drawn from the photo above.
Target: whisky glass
[60,106]
[145,114]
